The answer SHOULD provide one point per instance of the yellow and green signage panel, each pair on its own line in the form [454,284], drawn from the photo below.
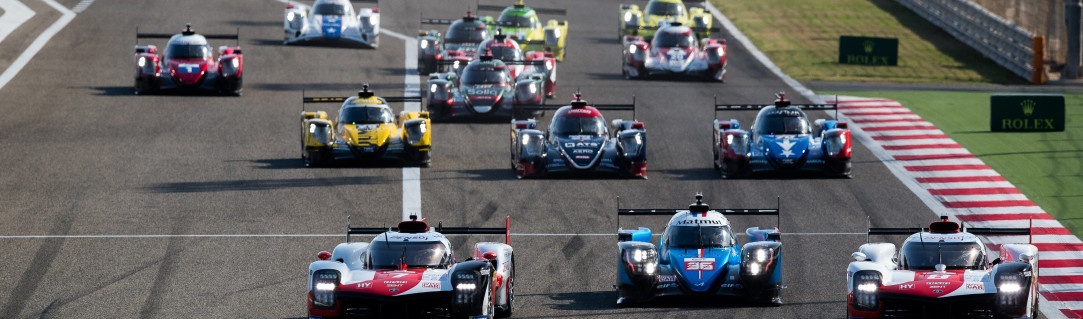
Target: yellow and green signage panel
[1026,112]
[868,50]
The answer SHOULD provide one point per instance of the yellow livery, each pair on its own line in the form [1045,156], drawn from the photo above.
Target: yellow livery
[365,129]
[645,22]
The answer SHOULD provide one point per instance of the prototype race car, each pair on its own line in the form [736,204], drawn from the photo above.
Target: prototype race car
[486,88]
[459,44]
[781,140]
[188,65]
[332,21]
[578,141]
[522,65]
[943,272]
[521,23]
[698,256]
[365,129]
[633,21]
[411,272]
[674,51]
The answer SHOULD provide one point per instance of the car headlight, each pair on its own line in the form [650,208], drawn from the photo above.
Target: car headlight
[432,88]
[761,254]
[628,16]
[142,61]
[1010,287]
[424,44]
[324,282]
[236,63]
[289,16]
[632,49]
[866,286]
[533,88]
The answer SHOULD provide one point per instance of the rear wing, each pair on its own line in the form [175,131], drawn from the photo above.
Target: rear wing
[498,8]
[694,29]
[600,107]
[976,231]
[339,99]
[437,21]
[224,36]
[724,211]
[757,107]
[506,230]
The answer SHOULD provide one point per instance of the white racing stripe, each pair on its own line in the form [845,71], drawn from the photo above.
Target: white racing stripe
[15,14]
[65,17]
[81,6]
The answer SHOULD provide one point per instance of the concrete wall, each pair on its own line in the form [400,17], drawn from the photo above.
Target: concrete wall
[1041,17]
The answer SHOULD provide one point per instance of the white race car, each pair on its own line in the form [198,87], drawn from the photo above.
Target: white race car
[411,272]
[330,22]
[943,272]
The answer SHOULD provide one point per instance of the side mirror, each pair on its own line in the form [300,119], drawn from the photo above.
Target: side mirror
[859,256]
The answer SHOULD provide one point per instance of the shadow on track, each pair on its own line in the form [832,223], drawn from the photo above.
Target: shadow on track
[261,184]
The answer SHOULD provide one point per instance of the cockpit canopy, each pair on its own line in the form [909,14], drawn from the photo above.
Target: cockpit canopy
[573,125]
[421,254]
[485,73]
[466,32]
[786,120]
[511,17]
[674,38]
[330,9]
[698,236]
[916,255]
[365,115]
[663,8]
[185,50]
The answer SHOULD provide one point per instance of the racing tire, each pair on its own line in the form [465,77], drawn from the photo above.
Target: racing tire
[728,169]
[510,290]
[772,296]
[423,158]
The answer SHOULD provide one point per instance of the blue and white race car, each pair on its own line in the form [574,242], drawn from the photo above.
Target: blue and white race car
[698,255]
[781,139]
[330,22]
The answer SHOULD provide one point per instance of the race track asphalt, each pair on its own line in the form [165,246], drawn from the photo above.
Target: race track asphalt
[83,155]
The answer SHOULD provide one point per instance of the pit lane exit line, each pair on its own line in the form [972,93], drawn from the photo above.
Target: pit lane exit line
[411,176]
[340,235]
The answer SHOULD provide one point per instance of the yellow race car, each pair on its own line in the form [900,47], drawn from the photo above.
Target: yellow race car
[365,129]
[522,24]
[636,22]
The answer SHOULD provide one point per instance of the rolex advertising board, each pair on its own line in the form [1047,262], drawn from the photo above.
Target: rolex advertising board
[868,50]
[1026,112]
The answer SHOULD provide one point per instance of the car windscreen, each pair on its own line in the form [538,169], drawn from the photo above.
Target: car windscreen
[698,236]
[506,53]
[329,9]
[674,39]
[665,8]
[517,21]
[188,51]
[783,122]
[567,125]
[485,74]
[365,115]
[388,255]
[956,256]
[461,32]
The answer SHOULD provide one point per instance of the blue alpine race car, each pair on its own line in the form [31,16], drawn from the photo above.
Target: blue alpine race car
[698,255]
[782,140]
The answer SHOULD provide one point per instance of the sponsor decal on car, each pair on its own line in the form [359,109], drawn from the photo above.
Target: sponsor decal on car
[975,286]
[906,286]
[699,264]
[667,278]
[430,284]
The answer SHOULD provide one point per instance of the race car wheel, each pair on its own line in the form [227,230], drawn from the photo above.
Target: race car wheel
[772,296]
[728,169]
[509,288]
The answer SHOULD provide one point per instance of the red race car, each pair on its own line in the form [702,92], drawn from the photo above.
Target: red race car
[674,51]
[188,65]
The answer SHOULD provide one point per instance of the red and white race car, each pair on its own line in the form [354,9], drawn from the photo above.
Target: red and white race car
[943,272]
[674,51]
[522,64]
[188,65]
[411,272]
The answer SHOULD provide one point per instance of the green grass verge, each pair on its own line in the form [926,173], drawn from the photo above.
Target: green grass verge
[802,38]
[1046,167]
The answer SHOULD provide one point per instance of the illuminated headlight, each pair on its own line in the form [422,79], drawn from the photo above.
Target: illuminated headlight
[533,88]
[424,44]
[236,63]
[556,33]
[866,285]
[466,286]
[649,268]
[632,49]
[423,128]
[289,16]
[729,139]
[455,64]
[548,64]
[325,286]
[312,128]
[639,256]
[703,20]
[761,255]
[432,88]
[842,139]
[1010,287]
[628,16]
[721,52]
[753,269]
[142,61]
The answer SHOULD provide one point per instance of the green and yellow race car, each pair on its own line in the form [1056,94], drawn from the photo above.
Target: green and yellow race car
[521,23]
[640,23]
[365,129]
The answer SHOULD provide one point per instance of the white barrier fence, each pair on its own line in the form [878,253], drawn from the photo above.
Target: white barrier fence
[1005,43]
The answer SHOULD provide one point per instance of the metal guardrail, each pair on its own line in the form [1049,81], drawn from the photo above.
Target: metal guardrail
[1005,43]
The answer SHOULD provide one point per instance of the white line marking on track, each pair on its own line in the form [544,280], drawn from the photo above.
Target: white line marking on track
[65,17]
[81,6]
[411,176]
[15,14]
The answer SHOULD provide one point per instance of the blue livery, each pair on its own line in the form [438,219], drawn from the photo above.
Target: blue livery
[698,255]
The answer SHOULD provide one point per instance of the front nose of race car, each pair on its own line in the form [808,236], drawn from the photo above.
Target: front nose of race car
[484,98]
[187,72]
[699,269]
[675,59]
[582,150]
[367,138]
[786,151]
[330,25]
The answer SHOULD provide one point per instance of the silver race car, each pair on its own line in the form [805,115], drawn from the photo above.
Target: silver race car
[332,22]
